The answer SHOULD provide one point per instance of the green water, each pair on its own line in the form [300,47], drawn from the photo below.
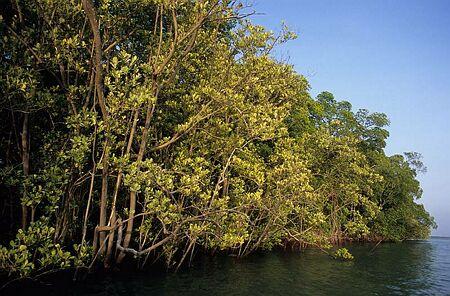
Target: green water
[410,268]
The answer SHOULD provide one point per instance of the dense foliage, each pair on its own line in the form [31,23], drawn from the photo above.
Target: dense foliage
[155,129]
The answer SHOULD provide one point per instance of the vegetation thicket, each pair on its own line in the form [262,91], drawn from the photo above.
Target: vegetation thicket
[155,129]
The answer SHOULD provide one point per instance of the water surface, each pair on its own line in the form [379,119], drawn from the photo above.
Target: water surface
[409,268]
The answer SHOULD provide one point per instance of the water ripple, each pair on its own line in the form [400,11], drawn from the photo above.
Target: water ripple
[410,268]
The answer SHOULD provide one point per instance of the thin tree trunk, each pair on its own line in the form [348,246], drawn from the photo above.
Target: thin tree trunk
[88,7]
[104,195]
[132,209]
[112,218]
[88,206]
[26,166]
[110,241]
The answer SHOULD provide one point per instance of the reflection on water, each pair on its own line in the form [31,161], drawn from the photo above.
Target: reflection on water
[410,268]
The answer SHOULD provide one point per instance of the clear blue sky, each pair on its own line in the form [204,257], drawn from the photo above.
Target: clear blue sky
[387,56]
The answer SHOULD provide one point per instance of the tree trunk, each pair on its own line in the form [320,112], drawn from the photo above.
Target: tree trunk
[26,166]
[88,7]
[132,209]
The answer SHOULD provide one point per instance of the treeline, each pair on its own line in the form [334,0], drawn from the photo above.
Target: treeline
[155,129]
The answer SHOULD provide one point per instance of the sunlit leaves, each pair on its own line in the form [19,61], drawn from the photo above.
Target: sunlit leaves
[219,142]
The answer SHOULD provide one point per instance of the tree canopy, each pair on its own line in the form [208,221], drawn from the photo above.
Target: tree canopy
[156,129]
